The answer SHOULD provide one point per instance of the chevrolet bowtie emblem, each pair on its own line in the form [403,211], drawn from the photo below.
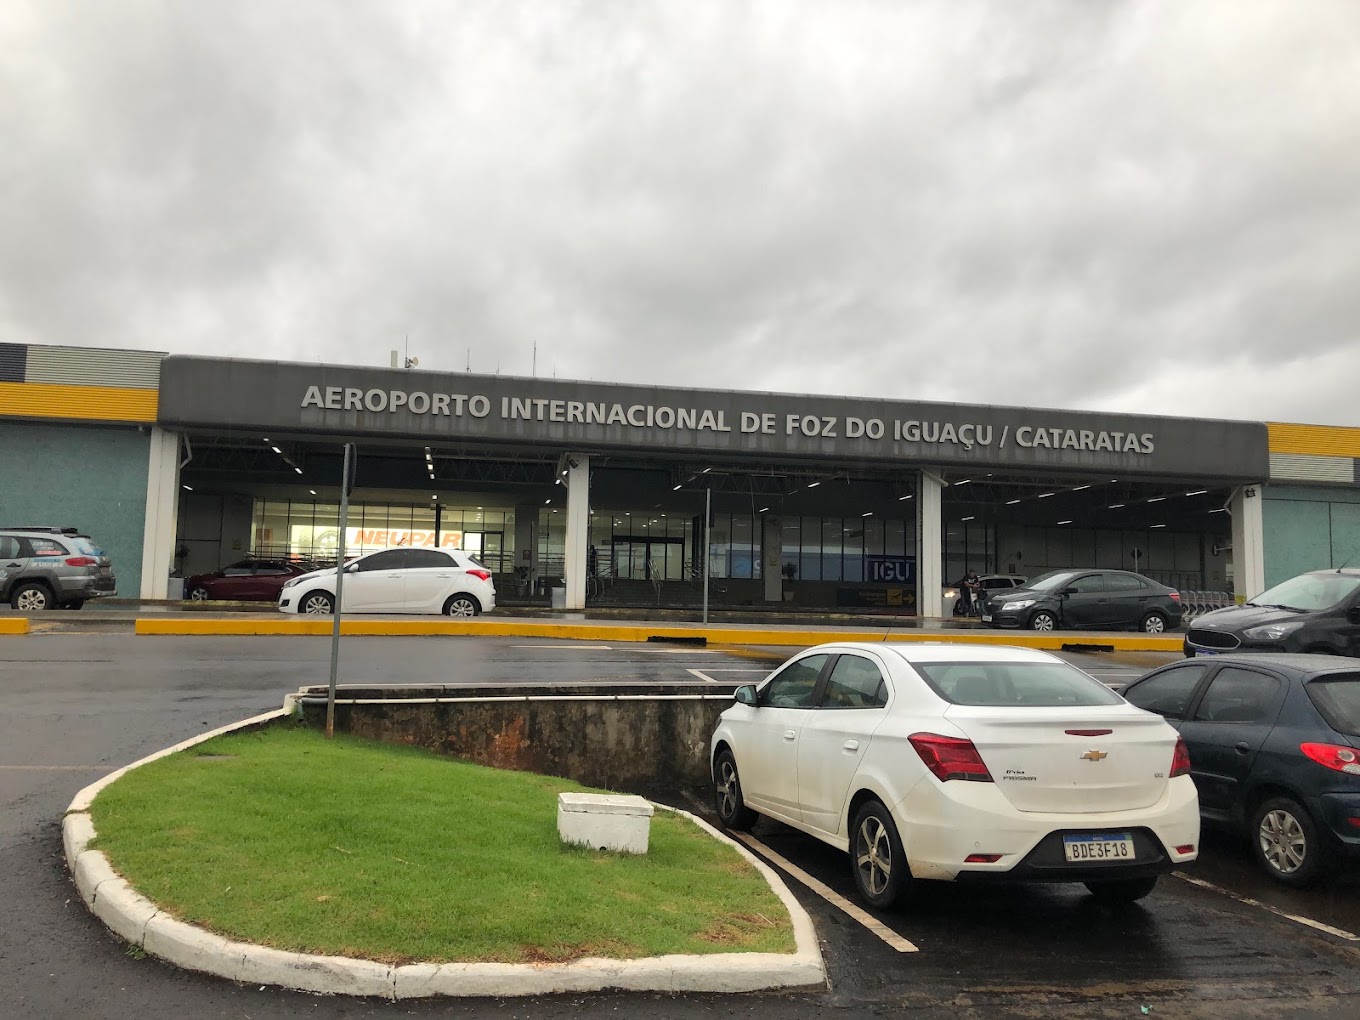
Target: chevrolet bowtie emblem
[1094,755]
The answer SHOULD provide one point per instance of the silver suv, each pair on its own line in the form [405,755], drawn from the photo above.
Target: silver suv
[47,568]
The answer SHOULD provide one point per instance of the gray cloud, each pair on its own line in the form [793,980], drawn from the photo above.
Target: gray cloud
[1128,206]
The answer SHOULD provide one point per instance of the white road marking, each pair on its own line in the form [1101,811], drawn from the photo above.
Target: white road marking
[874,925]
[1307,921]
[703,674]
[572,644]
[684,650]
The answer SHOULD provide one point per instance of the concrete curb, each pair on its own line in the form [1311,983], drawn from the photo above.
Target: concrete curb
[637,632]
[137,920]
[13,625]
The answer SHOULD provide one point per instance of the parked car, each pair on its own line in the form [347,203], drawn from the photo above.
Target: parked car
[991,585]
[1314,612]
[1091,599]
[400,580]
[244,581]
[959,763]
[1274,745]
[50,568]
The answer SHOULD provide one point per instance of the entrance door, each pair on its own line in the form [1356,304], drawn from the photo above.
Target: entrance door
[648,559]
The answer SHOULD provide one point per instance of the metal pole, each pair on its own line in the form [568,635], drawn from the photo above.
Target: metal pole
[708,516]
[339,590]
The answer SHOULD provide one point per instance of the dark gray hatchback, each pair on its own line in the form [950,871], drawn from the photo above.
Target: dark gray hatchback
[1314,612]
[1087,599]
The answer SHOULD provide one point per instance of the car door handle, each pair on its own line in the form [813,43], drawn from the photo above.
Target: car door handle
[851,745]
[1242,747]
[790,734]
[16,564]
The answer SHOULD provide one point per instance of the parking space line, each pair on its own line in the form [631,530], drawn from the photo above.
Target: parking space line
[703,674]
[576,645]
[874,925]
[1340,933]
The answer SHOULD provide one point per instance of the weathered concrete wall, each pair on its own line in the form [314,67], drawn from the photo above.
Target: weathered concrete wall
[631,738]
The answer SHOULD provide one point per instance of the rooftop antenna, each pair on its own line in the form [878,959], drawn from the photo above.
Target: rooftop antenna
[469,359]
[1348,561]
[533,370]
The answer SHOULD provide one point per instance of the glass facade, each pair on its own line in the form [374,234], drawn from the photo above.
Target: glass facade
[310,531]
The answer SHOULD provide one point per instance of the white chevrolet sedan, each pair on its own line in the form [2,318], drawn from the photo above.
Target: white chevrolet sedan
[959,763]
[403,580]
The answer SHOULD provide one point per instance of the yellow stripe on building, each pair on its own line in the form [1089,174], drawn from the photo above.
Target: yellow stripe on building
[1319,440]
[81,403]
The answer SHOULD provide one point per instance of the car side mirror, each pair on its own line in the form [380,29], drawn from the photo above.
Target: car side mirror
[353,568]
[1068,591]
[1353,614]
[746,695]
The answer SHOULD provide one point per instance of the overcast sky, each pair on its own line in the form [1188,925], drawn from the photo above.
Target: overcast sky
[1126,206]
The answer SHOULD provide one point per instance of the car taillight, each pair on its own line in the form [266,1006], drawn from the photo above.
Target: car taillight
[1175,596]
[1334,756]
[1180,759]
[950,757]
[81,561]
[485,575]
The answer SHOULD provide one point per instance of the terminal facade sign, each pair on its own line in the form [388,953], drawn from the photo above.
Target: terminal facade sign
[359,402]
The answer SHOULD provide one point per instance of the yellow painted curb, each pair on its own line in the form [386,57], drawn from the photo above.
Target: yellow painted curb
[14,625]
[634,632]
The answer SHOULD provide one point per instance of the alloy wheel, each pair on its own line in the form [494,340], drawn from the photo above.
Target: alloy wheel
[199,595]
[727,789]
[873,855]
[462,607]
[317,605]
[32,600]
[1283,842]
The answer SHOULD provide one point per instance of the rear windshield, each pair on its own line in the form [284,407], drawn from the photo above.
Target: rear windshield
[1309,592]
[86,548]
[1337,697]
[1015,684]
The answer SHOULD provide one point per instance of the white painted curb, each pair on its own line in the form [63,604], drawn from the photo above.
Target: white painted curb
[137,920]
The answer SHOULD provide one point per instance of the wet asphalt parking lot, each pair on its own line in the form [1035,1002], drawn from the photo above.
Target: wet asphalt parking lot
[1215,940]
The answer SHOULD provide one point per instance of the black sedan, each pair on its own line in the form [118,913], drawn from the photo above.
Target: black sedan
[1274,746]
[1090,599]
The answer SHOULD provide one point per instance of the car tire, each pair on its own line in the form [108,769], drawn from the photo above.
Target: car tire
[462,605]
[32,597]
[877,862]
[1044,621]
[200,594]
[1128,890]
[1153,623]
[1287,842]
[317,603]
[727,799]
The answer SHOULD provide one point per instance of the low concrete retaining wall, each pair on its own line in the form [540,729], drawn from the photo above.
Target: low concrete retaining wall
[636,738]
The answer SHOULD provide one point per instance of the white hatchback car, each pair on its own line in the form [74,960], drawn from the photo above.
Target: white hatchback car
[959,762]
[403,580]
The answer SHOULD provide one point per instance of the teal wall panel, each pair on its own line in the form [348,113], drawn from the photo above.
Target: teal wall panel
[93,478]
[1297,537]
[1345,534]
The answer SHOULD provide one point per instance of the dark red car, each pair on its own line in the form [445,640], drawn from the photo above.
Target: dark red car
[246,581]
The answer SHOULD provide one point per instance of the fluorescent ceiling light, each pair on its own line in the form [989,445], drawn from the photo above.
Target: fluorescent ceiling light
[963,481]
[298,470]
[675,488]
[1156,499]
[869,514]
[1012,502]
[546,502]
[967,518]
[764,509]
[1159,525]
[312,491]
[1064,522]
[1116,506]
[188,488]
[1080,487]
[907,496]
[1197,492]
[813,485]
[1045,495]
[276,449]
[1219,510]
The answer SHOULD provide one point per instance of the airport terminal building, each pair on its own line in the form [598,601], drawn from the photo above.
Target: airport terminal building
[179,465]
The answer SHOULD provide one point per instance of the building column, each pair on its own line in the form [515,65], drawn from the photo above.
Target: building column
[929,546]
[1248,538]
[162,514]
[577,466]
[771,543]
